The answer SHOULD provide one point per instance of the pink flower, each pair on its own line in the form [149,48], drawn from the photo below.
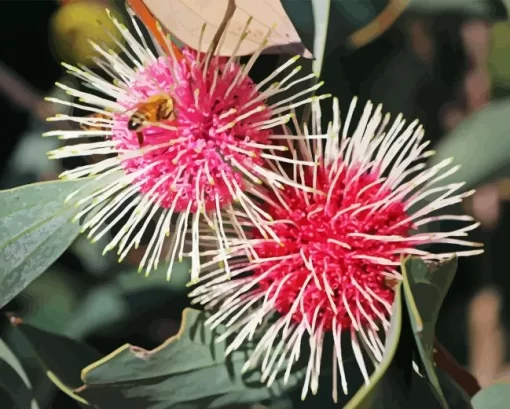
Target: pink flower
[200,153]
[338,246]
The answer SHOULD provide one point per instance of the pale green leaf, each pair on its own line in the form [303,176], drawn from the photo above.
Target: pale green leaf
[184,19]
[36,228]
[492,397]
[480,145]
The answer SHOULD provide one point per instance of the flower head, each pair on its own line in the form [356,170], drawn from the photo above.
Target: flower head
[339,245]
[186,133]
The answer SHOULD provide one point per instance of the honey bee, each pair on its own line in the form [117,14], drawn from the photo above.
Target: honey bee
[156,108]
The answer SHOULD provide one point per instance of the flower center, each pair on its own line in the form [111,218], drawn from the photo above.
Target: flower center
[198,141]
[327,267]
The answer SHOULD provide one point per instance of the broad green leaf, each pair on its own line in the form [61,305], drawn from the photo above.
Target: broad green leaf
[492,397]
[36,229]
[14,381]
[325,25]
[390,384]
[424,292]
[485,9]
[184,19]
[60,357]
[188,369]
[480,144]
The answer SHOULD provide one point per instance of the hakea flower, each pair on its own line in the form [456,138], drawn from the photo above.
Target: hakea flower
[185,133]
[334,265]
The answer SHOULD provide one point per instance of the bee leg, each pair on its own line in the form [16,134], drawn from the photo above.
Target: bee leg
[139,136]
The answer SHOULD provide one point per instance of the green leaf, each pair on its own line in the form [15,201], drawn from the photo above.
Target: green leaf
[60,357]
[456,396]
[14,381]
[424,292]
[36,229]
[324,25]
[390,384]
[491,10]
[492,397]
[480,144]
[187,370]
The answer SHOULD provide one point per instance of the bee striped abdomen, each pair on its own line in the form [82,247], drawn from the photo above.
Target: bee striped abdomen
[155,109]
[165,111]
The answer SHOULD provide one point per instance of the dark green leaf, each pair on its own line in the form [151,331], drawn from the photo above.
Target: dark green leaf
[14,381]
[493,397]
[424,292]
[189,369]
[36,229]
[491,10]
[480,144]
[424,395]
[324,25]
[390,384]
[61,358]
[456,397]
[304,15]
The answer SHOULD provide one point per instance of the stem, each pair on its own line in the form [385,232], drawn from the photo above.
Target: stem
[18,91]
[150,22]
[448,364]
[229,13]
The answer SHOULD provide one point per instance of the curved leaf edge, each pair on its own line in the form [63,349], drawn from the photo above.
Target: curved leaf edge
[138,349]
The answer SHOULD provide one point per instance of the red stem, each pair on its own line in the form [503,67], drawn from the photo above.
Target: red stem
[448,364]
